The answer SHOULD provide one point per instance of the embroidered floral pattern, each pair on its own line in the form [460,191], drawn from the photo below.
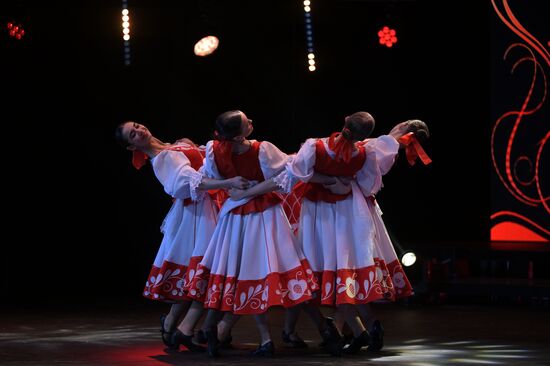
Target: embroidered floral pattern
[255,296]
[197,279]
[166,283]
[363,285]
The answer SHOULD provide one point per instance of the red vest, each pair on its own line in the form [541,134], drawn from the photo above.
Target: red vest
[246,165]
[326,165]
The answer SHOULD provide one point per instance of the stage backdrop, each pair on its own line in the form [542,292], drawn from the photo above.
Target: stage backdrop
[520,122]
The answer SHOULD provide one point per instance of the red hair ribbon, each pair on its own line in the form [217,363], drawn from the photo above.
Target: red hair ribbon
[139,158]
[343,148]
[413,149]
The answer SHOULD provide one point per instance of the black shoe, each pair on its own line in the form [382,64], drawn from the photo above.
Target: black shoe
[201,337]
[213,343]
[266,350]
[376,337]
[333,342]
[226,343]
[297,342]
[347,338]
[187,340]
[166,335]
[330,322]
[357,343]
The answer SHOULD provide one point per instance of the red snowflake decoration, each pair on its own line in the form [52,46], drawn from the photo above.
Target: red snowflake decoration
[387,36]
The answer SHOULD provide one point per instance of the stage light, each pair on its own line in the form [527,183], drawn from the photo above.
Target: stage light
[126,32]
[408,259]
[206,46]
[387,36]
[15,31]
[309,35]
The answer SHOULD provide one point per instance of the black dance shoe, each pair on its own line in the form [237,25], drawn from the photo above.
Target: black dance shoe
[297,342]
[357,343]
[201,337]
[166,335]
[332,341]
[376,337]
[213,344]
[187,340]
[266,350]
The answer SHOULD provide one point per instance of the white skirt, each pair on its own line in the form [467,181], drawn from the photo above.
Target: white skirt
[187,230]
[252,263]
[395,283]
[340,247]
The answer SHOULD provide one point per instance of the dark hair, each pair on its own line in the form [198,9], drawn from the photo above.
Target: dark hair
[420,129]
[122,141]
[228,125]
[358,126]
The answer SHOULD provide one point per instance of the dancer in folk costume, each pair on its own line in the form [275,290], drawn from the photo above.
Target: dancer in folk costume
[188,226]
[338,232]
[409,134]
[251,262]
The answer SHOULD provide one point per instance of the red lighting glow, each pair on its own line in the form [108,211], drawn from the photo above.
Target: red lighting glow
[15,31]
[387,36]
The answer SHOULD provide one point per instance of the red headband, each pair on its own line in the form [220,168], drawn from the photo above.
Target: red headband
[413,149]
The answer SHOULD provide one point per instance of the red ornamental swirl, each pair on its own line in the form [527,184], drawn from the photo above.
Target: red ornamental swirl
[509,176]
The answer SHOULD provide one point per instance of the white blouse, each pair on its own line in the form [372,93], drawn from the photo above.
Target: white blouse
[173,170]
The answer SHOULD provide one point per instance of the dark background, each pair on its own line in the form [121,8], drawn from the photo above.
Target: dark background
[80,222]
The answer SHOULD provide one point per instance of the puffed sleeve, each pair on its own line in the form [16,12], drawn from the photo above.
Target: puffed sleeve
[300,166]
[386,149]
[209,168]
[380,156]
[174,172]
[272,160]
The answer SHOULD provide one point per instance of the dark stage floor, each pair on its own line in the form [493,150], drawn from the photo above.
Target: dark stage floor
[416,335]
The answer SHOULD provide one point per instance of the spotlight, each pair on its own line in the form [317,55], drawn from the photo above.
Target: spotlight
[408,259]
[406,256]
[206,46]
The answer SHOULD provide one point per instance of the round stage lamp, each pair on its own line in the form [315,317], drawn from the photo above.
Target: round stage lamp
[408,259]
[206,46]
